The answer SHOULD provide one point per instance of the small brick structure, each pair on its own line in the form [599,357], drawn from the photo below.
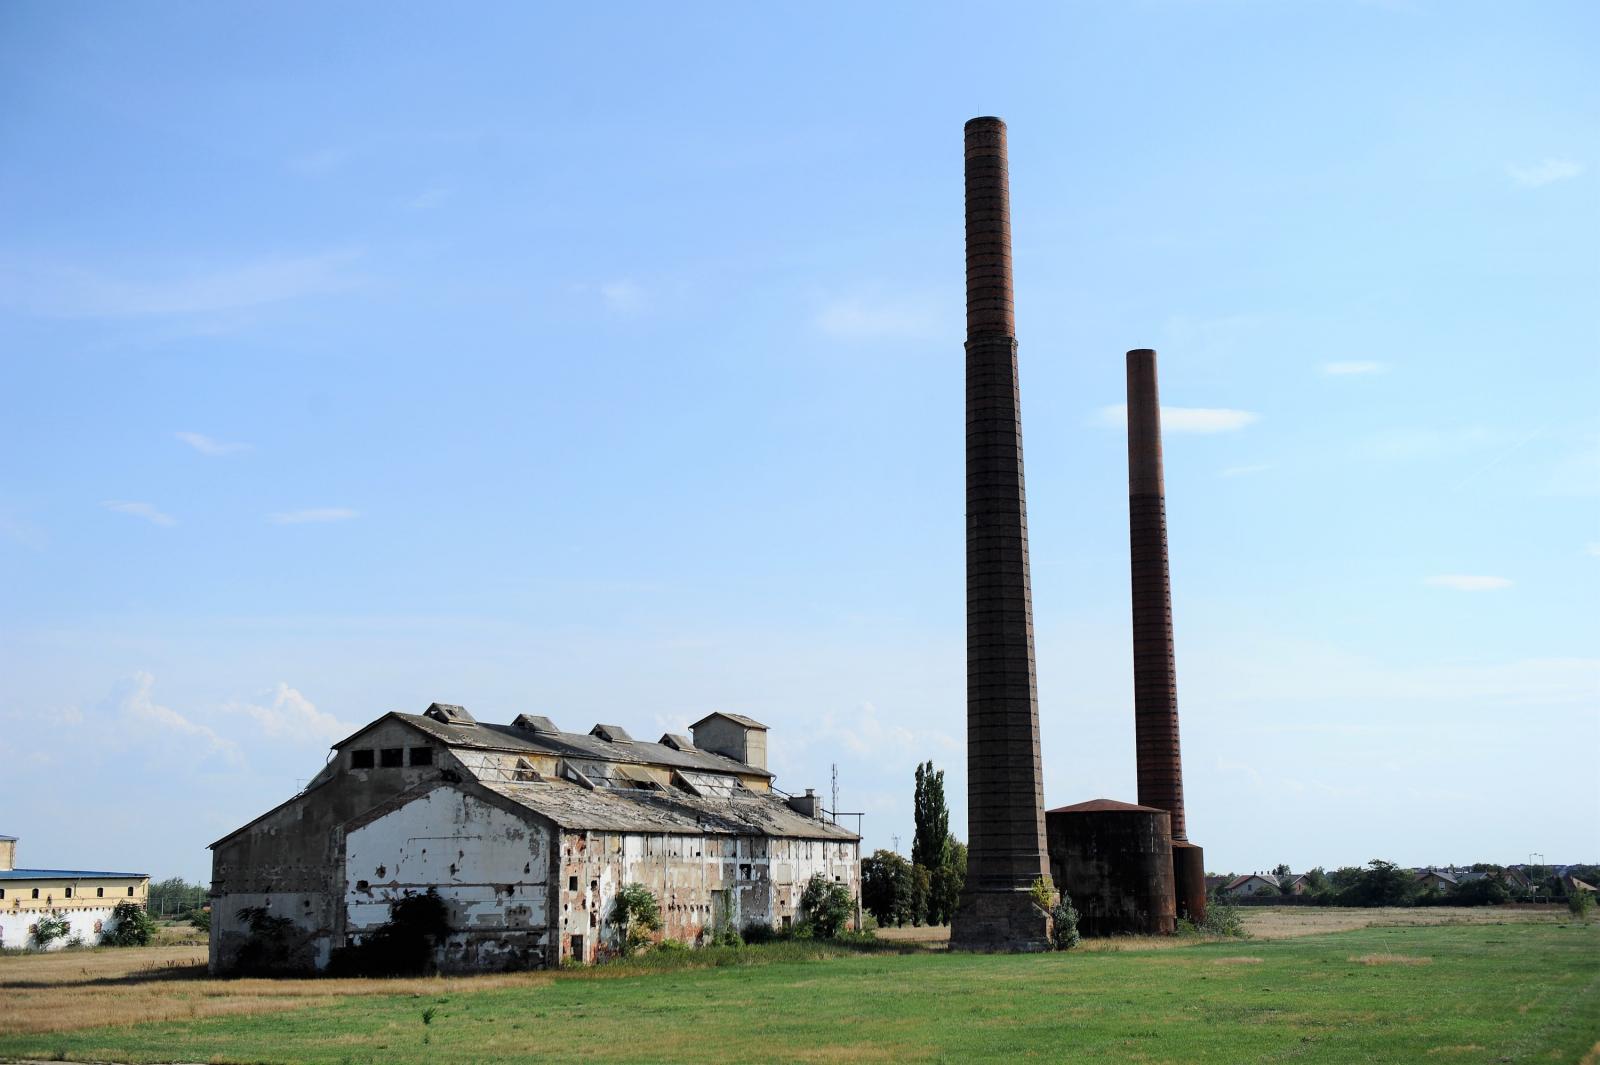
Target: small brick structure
[1115,860]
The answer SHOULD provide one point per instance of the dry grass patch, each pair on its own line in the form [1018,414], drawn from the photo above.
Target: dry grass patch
[1240,960]
[66,990]
[1467,1048]
[1390,959]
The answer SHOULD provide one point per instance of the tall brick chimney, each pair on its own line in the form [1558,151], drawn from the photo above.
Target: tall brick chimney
[1155,673]
[1005,807]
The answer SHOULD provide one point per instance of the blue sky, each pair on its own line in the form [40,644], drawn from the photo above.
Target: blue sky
[607,365]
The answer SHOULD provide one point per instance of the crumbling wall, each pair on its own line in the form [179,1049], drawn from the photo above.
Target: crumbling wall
[488,860]
[703,883]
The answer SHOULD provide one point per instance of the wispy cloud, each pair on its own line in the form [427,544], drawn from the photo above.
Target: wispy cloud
[1245,471]
[1592,548]
[1465,583]
[136,701]
[210,446]
[623,296]
[76,293]
[1545,172]
[1183,419]
[425,200]
[312,514]
[288,714]
[1344,369]
[147,511]
[891,319]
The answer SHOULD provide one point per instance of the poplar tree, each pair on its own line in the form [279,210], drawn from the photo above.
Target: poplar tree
[929,845]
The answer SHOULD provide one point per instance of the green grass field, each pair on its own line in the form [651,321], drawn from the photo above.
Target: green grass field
[1453,993]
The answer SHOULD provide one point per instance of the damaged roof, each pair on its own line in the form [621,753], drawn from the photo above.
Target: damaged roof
[671,812]
[485,736]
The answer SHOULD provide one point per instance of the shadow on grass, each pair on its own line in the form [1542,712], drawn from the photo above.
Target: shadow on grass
[150,975]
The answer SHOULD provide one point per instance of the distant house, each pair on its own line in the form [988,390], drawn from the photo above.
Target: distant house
[1438,879]
[1517,881]
[1252,884]
[1575,886]
[84,899]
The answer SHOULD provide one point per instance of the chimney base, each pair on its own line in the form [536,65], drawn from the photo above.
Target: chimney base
[1000,922]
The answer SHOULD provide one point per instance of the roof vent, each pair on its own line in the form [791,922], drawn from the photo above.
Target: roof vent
[450,714]
[536,723]
[677,742]
[611,733]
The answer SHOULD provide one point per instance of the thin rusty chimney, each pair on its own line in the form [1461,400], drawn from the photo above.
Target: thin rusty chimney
[1155,674]
[1005,807]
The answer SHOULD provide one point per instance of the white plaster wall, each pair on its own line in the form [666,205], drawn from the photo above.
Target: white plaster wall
[490,865]
[14,925]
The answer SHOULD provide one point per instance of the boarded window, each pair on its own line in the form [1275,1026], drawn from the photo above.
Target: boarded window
[361,759]
[392,757]
[422,756]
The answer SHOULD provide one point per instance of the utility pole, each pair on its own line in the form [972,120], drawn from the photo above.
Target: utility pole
[835,768]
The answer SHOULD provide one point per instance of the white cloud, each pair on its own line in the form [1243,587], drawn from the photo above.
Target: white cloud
[1592,548]
[1465,583]
[1245,471]
[74,293]
[312,514]
[289,714]
[1342,369]
[898,319]
[136,702]
[147,511]
[1183,419]
[209,446]
[1545,172]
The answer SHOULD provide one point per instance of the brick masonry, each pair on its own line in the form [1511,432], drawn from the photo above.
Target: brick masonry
[1004,784]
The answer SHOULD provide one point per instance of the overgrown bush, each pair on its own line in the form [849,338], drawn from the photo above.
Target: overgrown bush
[201,920]
[636,914]
[131,926]
[826,907]
[1223,919]
[1064,928]
[1581,903]
[1043,893]
[273,946]
[47,930]
[404,945]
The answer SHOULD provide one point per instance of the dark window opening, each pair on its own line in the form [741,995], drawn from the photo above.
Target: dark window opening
[524,771]
[577,947]
[422,756]
[744,872]
[786,921]
[361,759]
[2,892]
[572,883]
[99,892]
[69,893]
[392,757]
[130,892]
[35,892]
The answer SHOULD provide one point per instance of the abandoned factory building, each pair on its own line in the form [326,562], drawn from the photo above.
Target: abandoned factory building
[528,833]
